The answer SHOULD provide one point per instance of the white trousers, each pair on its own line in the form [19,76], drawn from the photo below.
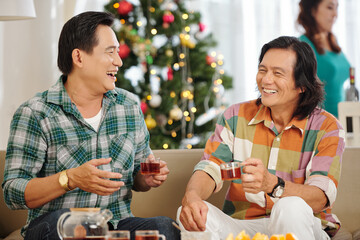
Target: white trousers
[289,214]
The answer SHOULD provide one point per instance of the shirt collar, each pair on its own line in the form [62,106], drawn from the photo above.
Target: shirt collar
[263,115]
[57,95]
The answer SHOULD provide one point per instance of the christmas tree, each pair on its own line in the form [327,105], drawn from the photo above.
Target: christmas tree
[170,64]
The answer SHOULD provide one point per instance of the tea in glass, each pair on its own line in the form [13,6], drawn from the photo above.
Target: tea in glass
[230,170]
[150,166]
[119,235]
[148,235]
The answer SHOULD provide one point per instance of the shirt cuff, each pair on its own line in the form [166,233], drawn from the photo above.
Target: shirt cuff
[213,170]
[325,184]
[14,191]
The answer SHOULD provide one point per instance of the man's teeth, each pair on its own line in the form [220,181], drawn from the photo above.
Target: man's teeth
[111,74]
[269,91]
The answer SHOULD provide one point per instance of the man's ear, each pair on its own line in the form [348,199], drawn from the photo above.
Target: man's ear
[77,57]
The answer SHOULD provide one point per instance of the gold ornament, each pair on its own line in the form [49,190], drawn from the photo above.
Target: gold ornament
[150,122]
[176,113]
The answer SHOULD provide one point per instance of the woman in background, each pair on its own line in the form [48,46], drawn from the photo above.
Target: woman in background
[317,17]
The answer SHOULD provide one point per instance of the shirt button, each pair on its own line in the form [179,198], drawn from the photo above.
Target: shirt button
[277,139]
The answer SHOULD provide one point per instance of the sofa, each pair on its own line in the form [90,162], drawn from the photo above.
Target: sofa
[166,199]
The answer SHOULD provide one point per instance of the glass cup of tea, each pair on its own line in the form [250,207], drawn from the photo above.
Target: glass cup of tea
[148,235]
[150,166]
[230,170]
[119,235]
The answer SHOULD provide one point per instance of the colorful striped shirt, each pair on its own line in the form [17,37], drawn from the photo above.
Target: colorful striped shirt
[307,151]
[48,135]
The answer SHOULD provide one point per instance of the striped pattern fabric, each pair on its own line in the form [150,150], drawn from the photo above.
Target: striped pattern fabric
[307,151]
[48,135]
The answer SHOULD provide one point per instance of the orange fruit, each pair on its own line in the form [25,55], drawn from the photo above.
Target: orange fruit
[290,236]
[230,237]
[259,236]
[242,236]
[277,237]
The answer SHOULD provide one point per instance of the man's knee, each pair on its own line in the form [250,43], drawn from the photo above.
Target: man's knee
[291,206]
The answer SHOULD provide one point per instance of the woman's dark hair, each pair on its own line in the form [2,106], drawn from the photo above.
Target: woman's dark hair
[307,20]
[79,32]
[304,73]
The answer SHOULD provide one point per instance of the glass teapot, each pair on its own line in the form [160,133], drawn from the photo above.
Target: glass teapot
[84,223]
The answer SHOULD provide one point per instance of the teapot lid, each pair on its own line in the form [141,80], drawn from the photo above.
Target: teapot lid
[85,209]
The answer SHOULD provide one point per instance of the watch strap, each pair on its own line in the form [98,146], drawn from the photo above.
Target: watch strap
[279,183]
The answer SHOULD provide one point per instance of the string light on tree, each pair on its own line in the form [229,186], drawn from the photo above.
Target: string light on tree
[164,48]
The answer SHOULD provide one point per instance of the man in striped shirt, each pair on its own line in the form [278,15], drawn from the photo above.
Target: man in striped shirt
[289,148]
[80,143]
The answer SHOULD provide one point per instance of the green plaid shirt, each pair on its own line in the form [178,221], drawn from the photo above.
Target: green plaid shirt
[48,135]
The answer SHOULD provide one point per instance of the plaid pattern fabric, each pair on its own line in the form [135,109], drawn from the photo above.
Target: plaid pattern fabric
[48,135]
[307,151]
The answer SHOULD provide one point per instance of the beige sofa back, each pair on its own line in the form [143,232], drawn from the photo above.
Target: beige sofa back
[166,199]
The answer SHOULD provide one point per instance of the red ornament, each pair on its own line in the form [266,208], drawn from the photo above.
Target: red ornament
[143,107]
[124,51]
[124,8]
[168,17]
[170,74]
[201,27]
[209,60]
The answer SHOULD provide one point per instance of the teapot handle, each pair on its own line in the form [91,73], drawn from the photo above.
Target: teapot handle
[60,224]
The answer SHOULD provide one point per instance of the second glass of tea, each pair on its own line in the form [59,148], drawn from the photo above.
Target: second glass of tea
[150,166]
[230,170]
[148,235]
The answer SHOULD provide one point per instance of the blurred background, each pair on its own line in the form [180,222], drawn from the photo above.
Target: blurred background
[28,48]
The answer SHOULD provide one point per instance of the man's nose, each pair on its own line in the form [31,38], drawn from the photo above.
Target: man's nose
[117,61]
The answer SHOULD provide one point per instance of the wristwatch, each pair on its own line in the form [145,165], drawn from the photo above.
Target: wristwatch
[278,190]
[64,181]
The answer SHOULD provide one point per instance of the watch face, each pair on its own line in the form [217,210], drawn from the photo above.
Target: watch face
[278,191]
[63,179]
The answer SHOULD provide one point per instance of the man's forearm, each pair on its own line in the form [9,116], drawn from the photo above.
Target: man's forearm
[201,184]
[312,195]
[40,191]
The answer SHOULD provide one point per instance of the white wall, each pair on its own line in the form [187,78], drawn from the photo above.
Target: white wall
[28,56]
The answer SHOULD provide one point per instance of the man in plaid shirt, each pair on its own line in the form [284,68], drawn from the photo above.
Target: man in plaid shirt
[289,148]
[80,143]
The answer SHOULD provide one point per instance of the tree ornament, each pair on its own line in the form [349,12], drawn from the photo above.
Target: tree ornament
[175,113]
[201,27]
[150,122]
[168,17]
[165,25]
[185,41]
[209,59]
[155,101]
[124,50]
[169,53]
[143,107]
[170,74]
[124,8]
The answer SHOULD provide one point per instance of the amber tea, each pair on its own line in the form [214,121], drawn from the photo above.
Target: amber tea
[230,170]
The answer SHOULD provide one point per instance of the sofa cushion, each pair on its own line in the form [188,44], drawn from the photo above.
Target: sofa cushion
[356,235]
[15,235]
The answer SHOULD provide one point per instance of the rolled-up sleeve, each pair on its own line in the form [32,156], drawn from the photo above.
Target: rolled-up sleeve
[325,167]
[25,156]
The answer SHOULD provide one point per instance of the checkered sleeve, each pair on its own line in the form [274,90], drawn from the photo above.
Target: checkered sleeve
[142,140]
[219,147]
[24,156]
[325,165]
